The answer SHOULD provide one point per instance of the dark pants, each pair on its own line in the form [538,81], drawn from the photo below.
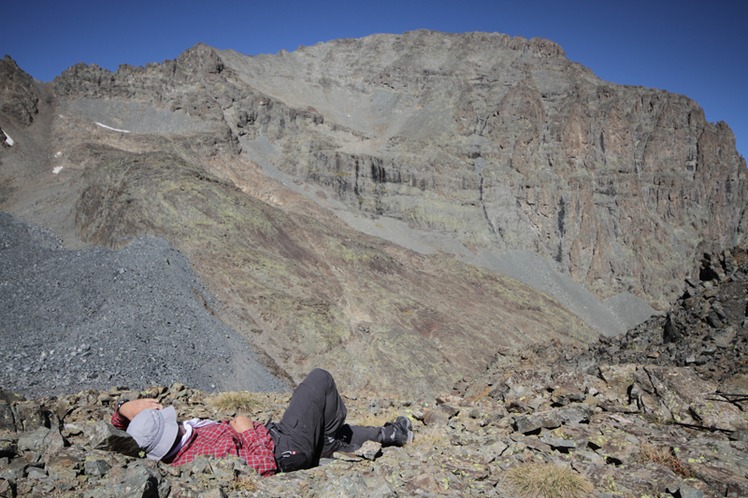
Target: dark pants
[313,425]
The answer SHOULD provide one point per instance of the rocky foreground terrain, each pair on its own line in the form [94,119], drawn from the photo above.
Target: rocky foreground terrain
[660,411]
[542,269]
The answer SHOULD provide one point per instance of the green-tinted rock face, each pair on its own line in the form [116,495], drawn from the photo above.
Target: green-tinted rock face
[310,293]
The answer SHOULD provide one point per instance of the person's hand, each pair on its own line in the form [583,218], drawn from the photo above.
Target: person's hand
[241,424]
[131,409]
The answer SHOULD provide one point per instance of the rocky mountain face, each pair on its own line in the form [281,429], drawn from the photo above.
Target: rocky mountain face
[388,207]
[500,143]
[18,97]
[504,143]
[469,229]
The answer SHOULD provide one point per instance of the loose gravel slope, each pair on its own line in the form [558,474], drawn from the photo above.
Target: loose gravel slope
[72,320]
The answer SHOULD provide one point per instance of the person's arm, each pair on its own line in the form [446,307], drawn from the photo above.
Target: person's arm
[241,423]
[129,410]
[257,448]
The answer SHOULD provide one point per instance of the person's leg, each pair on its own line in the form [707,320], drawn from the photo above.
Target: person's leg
[314,416]
[352,437]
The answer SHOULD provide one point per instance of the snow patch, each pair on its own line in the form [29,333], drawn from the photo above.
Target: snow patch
[58,153]
[9,141]
[110,128]
[56,169]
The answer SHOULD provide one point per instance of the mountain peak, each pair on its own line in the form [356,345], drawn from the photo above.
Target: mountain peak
[449,194]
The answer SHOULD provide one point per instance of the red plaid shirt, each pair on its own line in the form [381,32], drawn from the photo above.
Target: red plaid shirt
[255,446]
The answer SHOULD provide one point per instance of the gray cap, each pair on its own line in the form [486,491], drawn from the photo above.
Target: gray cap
[155,431]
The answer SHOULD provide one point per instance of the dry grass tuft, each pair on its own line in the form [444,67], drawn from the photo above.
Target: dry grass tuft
[236,401]
[430,437]
[244,484]
[544,480]
[664,456]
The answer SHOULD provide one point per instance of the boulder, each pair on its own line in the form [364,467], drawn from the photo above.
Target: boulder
[678,395]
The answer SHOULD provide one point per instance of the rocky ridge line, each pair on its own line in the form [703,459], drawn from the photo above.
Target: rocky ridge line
[513,131]
[485,142]
[303,287]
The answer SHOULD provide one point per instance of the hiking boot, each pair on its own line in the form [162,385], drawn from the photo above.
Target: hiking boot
[397,433]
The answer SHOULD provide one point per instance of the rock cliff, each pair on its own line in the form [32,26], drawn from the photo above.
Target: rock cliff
[504,143]
[501,143]
[389,206]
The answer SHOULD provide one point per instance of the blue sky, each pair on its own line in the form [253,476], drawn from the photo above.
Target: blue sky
[695,48]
